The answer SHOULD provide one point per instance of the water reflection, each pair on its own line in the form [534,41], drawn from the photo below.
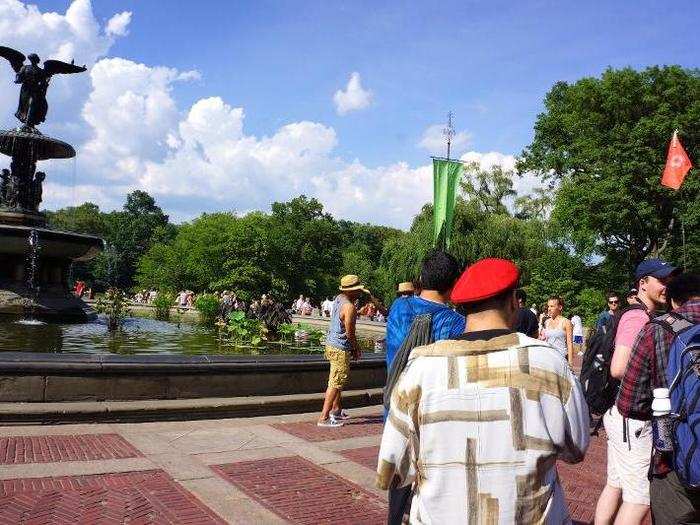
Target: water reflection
[138,336]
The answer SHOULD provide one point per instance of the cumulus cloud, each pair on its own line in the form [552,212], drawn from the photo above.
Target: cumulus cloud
[118,25]
[198,158]
[354,98]
[75,34]
[435,143]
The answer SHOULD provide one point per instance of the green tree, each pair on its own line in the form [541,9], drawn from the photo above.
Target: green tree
[604,142]
[488,188]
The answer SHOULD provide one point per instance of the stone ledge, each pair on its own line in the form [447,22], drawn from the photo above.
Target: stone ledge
[177,409]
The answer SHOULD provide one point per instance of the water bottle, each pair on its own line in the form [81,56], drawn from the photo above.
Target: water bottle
[662,423]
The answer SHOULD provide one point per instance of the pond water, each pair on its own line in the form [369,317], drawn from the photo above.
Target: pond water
[138,336]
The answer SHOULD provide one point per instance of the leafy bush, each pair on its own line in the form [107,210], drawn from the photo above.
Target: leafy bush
[162,304]
[114,305]
[208,307]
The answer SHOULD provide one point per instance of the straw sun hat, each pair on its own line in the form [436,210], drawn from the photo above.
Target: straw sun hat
[349,283]
[406,287]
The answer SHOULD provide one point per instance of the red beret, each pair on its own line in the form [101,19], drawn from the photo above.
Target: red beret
[484,279]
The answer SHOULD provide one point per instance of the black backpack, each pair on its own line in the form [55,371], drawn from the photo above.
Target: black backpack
[599,387]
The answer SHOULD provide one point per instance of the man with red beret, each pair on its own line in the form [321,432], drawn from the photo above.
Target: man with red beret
[477,423]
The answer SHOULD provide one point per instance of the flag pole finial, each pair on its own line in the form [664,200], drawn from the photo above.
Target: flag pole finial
[449,132]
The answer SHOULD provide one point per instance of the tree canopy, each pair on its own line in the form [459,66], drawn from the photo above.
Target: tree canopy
[603,141]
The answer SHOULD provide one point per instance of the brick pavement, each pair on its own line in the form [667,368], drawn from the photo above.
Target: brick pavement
[141,497]
[268,470]
[50,449]
[304,493]
[365,426]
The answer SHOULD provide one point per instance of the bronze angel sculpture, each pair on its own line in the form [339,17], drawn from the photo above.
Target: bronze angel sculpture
[35,80]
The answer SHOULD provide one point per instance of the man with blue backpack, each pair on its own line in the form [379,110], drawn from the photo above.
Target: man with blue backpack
[665,366]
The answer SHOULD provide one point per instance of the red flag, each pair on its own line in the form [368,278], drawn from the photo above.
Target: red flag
[677,164]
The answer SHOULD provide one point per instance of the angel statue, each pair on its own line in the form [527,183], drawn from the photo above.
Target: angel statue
[35,81]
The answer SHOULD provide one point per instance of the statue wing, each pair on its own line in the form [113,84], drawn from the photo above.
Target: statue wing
[14,57]
[54,67]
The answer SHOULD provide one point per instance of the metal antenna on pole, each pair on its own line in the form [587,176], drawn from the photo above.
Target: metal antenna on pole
[449,132]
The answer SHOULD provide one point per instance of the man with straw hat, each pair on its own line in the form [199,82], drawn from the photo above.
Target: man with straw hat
[478,423]
[340,344]
[405,289]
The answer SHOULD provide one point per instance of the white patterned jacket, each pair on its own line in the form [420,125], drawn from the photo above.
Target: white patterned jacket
[478,427]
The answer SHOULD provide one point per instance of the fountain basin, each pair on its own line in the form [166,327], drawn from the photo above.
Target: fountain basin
[54,244]
[35,377]
[48,297]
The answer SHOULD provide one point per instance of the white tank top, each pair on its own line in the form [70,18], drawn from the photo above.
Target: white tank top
[556,336]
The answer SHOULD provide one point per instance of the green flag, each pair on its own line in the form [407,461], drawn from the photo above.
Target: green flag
[446,174]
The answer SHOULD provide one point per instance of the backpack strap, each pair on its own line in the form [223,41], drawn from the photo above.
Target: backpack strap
[672,322]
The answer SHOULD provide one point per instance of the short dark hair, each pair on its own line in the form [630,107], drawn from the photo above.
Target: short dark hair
[439,271]
[520,295]
[611,294]
[683,287]
[497,302]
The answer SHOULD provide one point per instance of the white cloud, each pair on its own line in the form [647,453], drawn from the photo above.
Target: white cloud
[76,34]
[354,98]
[118,25]
[435,142]
[197,158]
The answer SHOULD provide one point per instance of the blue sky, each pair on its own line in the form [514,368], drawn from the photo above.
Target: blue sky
[491,63]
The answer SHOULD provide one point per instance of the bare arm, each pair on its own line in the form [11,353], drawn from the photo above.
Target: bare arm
[569,330]
[620,358]
[349,315]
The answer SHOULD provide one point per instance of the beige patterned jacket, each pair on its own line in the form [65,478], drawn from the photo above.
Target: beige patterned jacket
[478,426]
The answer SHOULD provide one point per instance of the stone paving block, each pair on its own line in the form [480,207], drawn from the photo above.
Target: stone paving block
[53,449]
[356,427]
[304,493]
[75,468]
[143,497]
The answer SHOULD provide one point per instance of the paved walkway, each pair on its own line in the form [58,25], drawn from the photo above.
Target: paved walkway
[280,469]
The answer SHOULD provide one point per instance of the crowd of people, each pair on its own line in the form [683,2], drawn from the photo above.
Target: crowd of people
[482,399]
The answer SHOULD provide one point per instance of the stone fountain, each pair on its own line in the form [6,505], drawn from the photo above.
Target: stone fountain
[34,259]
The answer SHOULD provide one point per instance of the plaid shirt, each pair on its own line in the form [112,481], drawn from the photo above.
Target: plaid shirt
[646,369]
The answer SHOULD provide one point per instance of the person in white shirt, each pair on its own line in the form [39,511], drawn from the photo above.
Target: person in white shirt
[327,307]
[577,325]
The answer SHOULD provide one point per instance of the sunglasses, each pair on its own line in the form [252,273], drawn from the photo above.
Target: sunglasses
[616,301]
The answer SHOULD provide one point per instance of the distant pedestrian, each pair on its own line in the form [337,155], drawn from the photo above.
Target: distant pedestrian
[340,345]
[527,320]
[558,330]
[577,324]
[405,289]
[606,315]
[632,296]
[478,423]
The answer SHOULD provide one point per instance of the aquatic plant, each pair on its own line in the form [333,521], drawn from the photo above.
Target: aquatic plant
[162,304]
[208,306]
[114,305]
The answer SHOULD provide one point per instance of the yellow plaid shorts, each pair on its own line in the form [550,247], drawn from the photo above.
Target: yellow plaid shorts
[340,367]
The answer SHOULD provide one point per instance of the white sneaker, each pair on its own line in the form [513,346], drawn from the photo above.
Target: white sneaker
[331,422]
[342,415]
